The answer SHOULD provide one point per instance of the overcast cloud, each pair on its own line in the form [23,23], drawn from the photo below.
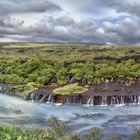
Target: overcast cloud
[97,21]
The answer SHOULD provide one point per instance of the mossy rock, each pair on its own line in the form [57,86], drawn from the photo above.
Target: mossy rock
[23,90]
[70,89]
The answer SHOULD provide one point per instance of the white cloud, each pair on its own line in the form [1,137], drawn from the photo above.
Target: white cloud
[100,30]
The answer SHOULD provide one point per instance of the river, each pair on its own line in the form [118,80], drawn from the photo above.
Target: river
[117,119]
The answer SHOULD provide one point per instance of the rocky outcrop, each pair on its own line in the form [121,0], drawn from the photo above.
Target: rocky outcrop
[136,57]
[53,79]
[76,61]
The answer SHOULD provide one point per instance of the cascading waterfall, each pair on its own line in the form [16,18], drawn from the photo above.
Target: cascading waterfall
[135,99]
[122,100]
[49,98]
[34,96]
[90,100]
[139,100]
[117,101]
[42,99]
[3,90]
[52,99]
[113,100]
[0,88]
[32,99]
[72,99]
[104,101]
[132,99]
[67,100]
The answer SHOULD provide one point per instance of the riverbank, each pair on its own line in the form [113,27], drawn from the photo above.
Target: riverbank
[98,94]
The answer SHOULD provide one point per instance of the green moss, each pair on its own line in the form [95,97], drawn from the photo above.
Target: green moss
[70,89]
[23,90]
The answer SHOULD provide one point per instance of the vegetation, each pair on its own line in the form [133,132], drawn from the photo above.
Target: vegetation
[70,89]
[56,131]
[62,64]
[24,89]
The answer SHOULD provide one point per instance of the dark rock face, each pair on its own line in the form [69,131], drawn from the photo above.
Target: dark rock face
[99,94]
[53,79]
[115,89]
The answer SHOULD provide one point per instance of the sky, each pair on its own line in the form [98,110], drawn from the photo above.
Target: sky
[87,21]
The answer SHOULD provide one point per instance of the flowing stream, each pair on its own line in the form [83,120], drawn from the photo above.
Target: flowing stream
[115,119]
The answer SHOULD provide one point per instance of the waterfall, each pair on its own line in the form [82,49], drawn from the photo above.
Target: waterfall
[52,99]
[41,100]
[139,100]
[122,100]
[90,100]
[36,97]
[132,99]
[0,88]
[73,99]
[135,99]
[67,100]
[113,100]
[3,90]
[32,96]
[49,98]
[104,101]
[117,101]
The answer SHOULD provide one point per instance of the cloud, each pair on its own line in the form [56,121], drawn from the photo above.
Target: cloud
[128,6]
[30,6]
[96,8]
[127,31]
[63,26]
[61,21]
[122,32]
